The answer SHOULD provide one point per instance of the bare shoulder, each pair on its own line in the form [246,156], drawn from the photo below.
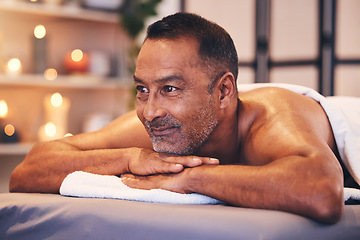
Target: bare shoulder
[125,131]
[274,101]
[128,131]
[283,122]
[274,95]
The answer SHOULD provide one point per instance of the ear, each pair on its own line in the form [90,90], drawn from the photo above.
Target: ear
[227,88]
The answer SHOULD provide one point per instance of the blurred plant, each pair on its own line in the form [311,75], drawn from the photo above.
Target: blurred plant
[133,15]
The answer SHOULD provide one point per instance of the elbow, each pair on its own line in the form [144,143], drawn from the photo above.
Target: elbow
[21,176]
[15,179]
[329,214]
[32,175]
[329,206]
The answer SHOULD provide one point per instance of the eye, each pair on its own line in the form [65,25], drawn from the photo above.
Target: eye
[142,89]
[169,89]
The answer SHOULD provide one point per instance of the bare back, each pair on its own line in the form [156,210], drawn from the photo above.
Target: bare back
[275,123]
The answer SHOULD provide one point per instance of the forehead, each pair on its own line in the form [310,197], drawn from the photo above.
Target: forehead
[162,57]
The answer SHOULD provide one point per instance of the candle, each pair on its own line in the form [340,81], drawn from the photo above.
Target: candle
[47,132]
[3,109]
[13,67]
[3,114]
[39,42]
[8,134]
[76,62]
[56,117]
[1,54]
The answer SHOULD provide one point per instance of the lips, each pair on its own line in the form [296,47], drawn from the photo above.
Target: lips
[161,128]
[163,131]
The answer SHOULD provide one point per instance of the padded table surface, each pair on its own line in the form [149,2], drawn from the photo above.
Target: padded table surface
[50,216]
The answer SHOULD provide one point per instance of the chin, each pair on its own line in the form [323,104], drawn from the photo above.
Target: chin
[171,149]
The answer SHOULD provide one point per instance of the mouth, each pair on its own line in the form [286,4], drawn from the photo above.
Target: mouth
[163,131]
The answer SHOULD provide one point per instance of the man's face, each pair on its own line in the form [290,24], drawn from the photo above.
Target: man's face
[173,101]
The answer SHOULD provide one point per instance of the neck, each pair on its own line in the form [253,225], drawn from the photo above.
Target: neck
[223,142]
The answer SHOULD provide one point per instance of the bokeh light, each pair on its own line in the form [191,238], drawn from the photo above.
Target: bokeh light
[40,31]
[77,55]
[9,130]
[50,129]
[56,99]
[3,109]
[50,74]
[14,65]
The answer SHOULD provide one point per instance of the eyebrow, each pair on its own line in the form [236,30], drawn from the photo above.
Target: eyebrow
[161,80]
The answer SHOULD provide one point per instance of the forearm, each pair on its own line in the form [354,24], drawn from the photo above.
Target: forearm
[231,184]
[268,187]
[47,164]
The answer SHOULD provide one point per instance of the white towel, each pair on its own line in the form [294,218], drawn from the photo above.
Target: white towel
[89,185]
[351,193]
[83,184]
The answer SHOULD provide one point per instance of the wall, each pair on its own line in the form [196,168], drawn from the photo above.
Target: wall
[237,18]
[293,34]
[25,97]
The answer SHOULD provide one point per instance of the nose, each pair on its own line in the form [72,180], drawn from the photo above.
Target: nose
[154,109]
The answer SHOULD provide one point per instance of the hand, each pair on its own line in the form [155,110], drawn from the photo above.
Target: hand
[171,181]
[149,162]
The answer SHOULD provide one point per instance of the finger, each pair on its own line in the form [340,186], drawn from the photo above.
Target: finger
[188,161]
[192,161]
[210,161]
[166,167]
[127,176]
[175,168]
[135,181]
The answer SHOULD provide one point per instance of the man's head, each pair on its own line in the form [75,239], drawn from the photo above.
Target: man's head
[183,90]
[216,47]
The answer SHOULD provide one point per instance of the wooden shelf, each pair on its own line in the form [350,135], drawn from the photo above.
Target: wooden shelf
[25,93]
[75,82]
[66,12]
[15,148]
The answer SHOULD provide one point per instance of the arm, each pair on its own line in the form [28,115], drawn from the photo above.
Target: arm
[121,147]
[280,185]
[287,184]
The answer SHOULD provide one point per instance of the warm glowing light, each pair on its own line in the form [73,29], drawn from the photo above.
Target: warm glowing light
[3,109]
[33,0]
[9,130]
[14,65]
[50,74]
[77,55]
[40,31]
[56,99]
[68,135]
[50,129]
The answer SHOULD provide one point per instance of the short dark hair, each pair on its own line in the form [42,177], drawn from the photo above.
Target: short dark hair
[216,47]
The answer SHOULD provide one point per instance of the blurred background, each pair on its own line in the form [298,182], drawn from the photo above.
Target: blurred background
[66,65]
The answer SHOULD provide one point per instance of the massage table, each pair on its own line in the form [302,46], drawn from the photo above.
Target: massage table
[93,207]
[51,216]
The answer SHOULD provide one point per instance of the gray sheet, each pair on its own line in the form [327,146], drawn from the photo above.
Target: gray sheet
[50,216]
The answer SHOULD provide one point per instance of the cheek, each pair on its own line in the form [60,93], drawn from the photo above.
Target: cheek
[184,111]
[140,112]
[180,109]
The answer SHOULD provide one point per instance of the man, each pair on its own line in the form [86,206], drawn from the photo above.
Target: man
[268,148]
